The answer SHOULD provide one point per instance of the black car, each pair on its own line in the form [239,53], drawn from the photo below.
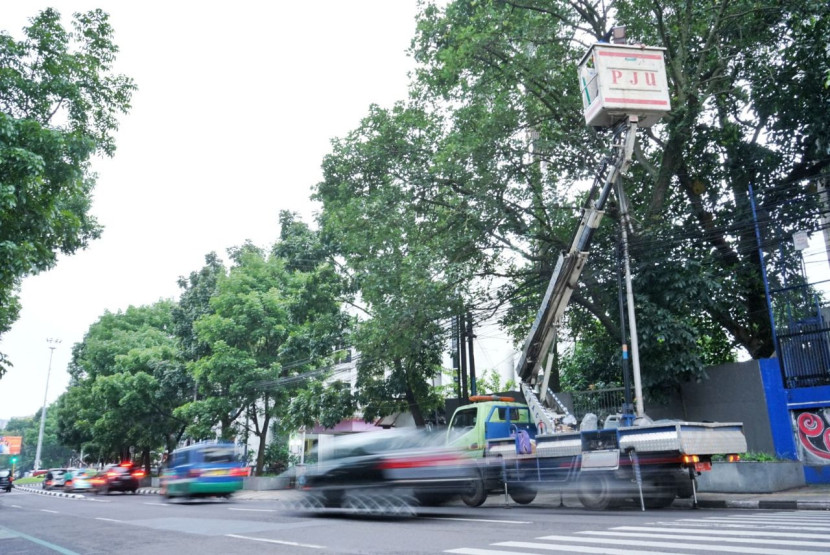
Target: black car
[6,480]
[388,471]
[117,477]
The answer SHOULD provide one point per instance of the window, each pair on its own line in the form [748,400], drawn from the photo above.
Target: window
[464,419]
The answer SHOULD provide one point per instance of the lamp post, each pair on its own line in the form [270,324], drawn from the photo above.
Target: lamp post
[53,343]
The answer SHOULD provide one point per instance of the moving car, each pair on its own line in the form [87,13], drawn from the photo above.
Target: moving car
[79,480]
[205,469]
[388,469]
[122,477]
[54,478]
[6,480]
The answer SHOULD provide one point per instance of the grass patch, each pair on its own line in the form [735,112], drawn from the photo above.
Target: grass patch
[29,480]
[750,457]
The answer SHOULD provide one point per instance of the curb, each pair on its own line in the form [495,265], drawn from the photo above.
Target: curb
[779,504]
[40,491]
[52,493]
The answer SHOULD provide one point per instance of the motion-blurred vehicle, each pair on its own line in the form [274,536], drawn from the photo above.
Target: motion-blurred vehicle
[122,477]
[6,480]
[79,480]
[205,469]
[54,478]
[377,469]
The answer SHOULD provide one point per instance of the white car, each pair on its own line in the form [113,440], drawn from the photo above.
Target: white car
[55,478]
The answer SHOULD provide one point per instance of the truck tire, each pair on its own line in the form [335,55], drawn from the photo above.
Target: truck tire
[476,495]
[522,495]
[659,495]
[595,491]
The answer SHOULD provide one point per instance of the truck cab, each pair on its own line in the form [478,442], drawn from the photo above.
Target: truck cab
[473,425]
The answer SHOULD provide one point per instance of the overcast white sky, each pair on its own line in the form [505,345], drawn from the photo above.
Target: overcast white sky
[236,105]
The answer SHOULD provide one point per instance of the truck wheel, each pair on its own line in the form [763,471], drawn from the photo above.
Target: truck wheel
[522,496]
[595,491]
[476,495]
[659,496]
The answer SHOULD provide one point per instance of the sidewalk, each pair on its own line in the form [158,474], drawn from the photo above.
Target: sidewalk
[812,497]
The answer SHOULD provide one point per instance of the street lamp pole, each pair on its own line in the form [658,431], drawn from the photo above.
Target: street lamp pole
[53,343]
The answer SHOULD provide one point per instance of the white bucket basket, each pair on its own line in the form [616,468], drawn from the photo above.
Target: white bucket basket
[618,80]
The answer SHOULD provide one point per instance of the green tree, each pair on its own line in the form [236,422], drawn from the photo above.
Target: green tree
[128,378]
[59,103]
[407,248]
[493,137]
[52,452]
[269,327]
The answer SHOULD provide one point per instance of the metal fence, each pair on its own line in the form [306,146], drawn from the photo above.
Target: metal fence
[601,402]
[803,335]
[805,353]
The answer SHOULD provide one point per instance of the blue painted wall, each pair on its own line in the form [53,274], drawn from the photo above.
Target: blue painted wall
[780,404]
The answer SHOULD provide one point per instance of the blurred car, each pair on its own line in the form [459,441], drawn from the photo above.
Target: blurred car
[6,480]
[122,477]
[79,480]
[54,478]
[388,468]
[204,469]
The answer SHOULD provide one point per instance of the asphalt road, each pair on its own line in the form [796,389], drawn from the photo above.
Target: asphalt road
[39,524]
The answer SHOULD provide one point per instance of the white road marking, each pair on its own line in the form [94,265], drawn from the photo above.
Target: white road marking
[475,551]
[723,532]
[480,520]
[49,511]
[293,544]
[253,510]
[107,519]
[566,548]
[669,545]
[705,539]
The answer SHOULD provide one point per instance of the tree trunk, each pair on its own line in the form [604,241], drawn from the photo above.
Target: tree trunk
[263,438]
[411,401]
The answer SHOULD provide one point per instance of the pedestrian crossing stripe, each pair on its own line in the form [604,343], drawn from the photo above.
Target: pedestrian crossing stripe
[724,532]
[721,535]
[666,545]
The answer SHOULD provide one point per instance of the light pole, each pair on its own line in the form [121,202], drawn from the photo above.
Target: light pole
[53,343]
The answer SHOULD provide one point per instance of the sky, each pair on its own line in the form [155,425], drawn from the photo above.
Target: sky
[235,109]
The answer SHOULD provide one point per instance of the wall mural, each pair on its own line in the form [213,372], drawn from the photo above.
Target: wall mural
[812,428]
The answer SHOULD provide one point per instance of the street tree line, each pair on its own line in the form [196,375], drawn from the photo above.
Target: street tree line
[218,363]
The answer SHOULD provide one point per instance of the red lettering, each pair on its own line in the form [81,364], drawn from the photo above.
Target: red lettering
[634,79]
[615,75]
[651,79]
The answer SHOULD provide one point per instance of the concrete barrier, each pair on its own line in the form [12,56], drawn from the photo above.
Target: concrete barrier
[752,477]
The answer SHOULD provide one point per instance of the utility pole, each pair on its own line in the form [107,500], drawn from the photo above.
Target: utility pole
[473,389]
[462,332]
[53,344]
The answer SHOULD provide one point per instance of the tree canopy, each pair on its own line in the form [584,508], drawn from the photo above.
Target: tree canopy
[475,181]
[59,106]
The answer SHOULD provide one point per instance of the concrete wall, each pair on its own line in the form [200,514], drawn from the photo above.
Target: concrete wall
[752,477]
[728,393]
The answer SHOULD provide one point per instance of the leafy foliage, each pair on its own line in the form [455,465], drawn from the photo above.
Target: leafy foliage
[273,321]
[59,103]
[465,193]
[127,380]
